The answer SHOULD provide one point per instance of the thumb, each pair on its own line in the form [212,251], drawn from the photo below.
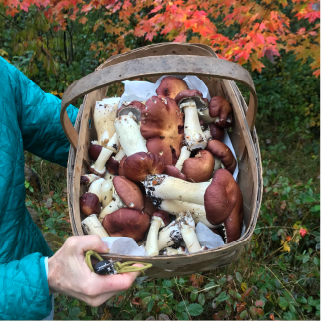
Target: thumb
[92,242]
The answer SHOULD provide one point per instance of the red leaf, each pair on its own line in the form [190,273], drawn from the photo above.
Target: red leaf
[246,293]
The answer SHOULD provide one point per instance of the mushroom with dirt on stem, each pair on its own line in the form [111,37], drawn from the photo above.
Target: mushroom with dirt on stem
[218,196]
[187,226]
[190,101]
[160,219]
[169,235]
[197,211]
[222,155]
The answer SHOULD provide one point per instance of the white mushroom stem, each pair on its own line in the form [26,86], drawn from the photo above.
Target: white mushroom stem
[168,187]
[120,155]
[129,135]
[171,251]
[104,115]
[217,165]
[107,192]
[187,227]
[92,226]
[207,134]
[185,154]
[175,207]
[87,179]
[169,235]
[109,176]
[151,247]
[205,116]
[113,206]
[95,188]
[112,147]
[194,136]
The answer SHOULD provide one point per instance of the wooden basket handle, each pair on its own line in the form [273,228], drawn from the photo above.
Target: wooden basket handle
[152,66]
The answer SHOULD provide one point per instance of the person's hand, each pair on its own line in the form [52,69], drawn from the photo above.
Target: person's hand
[69,274]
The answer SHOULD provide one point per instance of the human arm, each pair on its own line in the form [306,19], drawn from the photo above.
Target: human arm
[39,117]
[24,291]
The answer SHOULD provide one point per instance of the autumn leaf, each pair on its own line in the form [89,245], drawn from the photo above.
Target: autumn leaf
[83,20]
[303,232]
[286,246]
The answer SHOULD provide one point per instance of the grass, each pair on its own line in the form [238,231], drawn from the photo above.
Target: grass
[277,277]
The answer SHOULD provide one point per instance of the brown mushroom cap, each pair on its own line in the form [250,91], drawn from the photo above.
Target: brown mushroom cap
[163,215]
[191,94]
[173,171]
[137,166]
[221,196]
[199,168]
[89,204]
[126,222]
[233,224]
[112,166]
[170,86]
[220,107]
[94,151]
[222,152]
[120,167]
[129,193]
[216,132]
[162,126]
[135,107]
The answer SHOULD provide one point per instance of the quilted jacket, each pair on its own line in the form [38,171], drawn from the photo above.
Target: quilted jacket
[29,119]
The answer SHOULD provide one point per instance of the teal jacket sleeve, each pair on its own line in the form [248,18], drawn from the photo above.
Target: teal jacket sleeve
[27,277]
[39,119]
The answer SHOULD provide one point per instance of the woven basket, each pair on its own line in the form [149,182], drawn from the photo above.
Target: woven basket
[152,62]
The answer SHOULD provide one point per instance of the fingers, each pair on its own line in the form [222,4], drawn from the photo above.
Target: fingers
[82,244]
[118,282]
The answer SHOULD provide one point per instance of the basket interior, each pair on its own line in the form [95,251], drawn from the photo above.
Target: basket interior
[249,177]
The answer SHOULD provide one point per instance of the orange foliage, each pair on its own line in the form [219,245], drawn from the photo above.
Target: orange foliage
[263,28]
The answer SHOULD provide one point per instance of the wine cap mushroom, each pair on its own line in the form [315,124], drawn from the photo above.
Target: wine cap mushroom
[129,193]
[221,108]
[218,196]
[233,224]
[135,107]
[137,166]
[89,204]
[216,132]
[190,101]
[163,128]
[221,196]
[87,179]
[222,152]
[126,222]
[160,219]
[199,168]
[170,86]
[94,150]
